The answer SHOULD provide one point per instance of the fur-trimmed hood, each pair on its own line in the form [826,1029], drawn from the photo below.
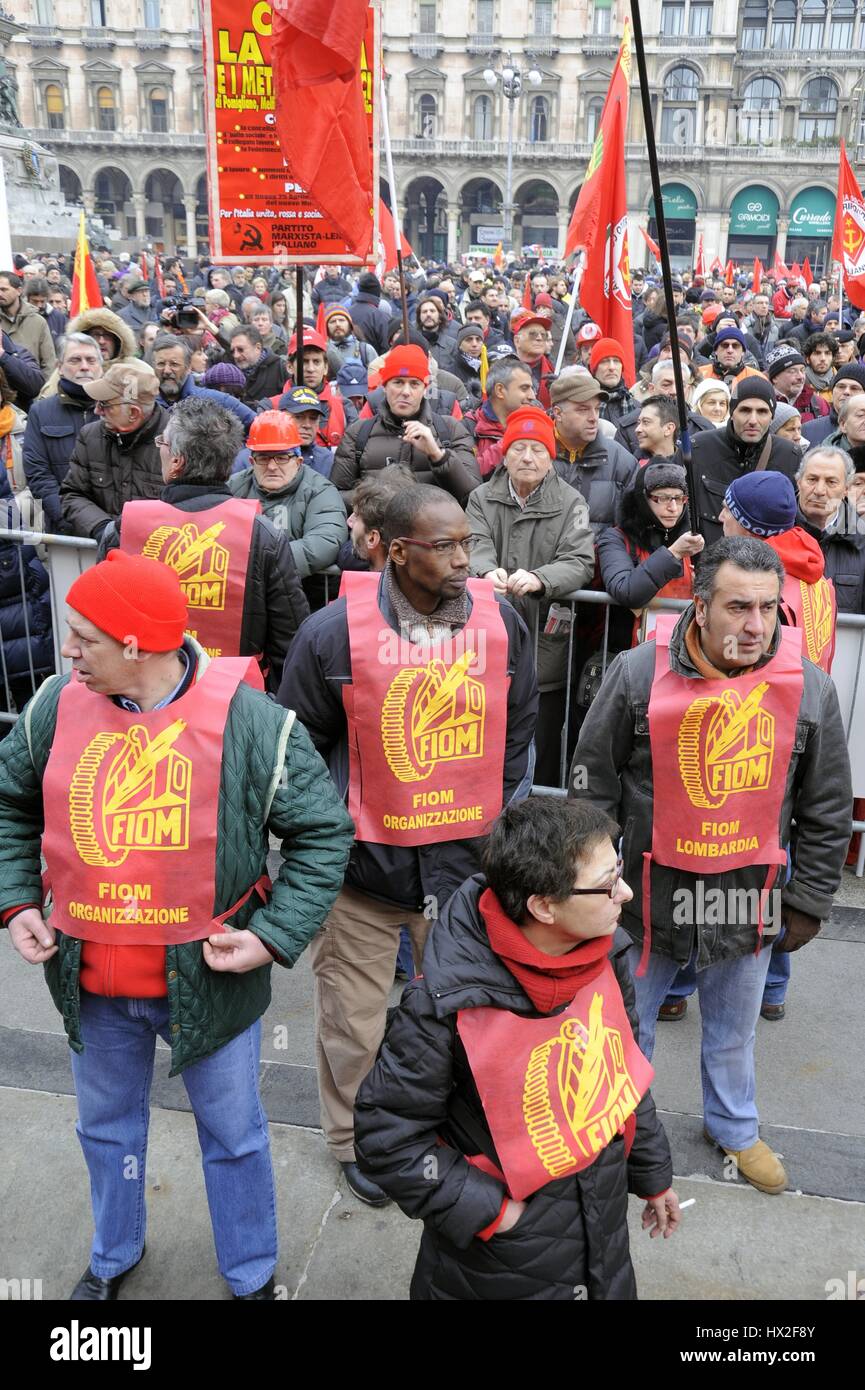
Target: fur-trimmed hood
[97,318]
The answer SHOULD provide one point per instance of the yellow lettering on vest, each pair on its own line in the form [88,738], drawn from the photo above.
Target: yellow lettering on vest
[740,776]
[449,743]
[444,798]
[142,892]
[159,829]
[720,827]
[202,594]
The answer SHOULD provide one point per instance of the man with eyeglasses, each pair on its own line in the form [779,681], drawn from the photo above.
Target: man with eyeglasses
[116,459]
[419,690]
[484,1115]
[532,343]
[707,745]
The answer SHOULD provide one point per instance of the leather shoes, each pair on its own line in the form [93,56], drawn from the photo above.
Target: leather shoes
[773,1013]
[92,1289]
[265,1293]
[671,1013]
[758,1165]
[362,1187]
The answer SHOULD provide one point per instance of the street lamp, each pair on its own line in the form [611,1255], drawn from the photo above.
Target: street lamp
[511,79]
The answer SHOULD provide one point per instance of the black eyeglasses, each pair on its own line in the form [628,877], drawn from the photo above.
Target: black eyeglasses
[443,548]
[608,892]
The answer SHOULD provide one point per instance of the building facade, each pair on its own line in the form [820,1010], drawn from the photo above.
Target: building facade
[113,88]
[750,99]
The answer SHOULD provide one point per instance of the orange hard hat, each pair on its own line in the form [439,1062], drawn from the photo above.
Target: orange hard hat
[273,432]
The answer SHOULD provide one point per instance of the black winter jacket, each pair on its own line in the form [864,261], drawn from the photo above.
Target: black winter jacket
[630,581]
[53,427]
[371,320]
[23,372]
[25,612]
[626,428]
[601,473]
[318,666]
[619,402]
[382,442]
[719,457]
[266,378]
[419,1112]
[274,604]
[107,470]
[844,554]
[615,761]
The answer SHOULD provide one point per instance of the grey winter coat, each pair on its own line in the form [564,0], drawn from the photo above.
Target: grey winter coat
[550,536]
[615,762]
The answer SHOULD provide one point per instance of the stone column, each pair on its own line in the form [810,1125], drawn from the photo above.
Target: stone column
[781,236]
[562,232]
[723,237]
[190,203]
[638,251]
[88,198]
[453,218]
[139,202]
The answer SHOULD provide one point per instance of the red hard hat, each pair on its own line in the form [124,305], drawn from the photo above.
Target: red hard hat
[310,339]
[588,333]
[273,432]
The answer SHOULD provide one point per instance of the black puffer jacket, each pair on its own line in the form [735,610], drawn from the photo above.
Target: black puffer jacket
[720,456]
[369,445]
[274,604]
[107,470]
[601,473]
[844,554]
[630,581]
[419,1112]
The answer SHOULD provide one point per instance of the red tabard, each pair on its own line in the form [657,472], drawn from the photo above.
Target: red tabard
[555,1090]
[426,725]
[813,608]
[680,587]
[131,802]
[210,552]
[720,754]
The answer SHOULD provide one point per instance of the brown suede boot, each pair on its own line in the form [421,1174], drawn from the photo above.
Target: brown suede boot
[758,1165]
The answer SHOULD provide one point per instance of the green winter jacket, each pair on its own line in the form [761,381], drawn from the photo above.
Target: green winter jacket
[272,781]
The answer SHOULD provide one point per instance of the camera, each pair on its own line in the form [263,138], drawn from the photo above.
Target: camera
[180,312]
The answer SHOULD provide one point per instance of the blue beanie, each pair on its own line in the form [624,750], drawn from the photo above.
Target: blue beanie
[764,503]
[724,333]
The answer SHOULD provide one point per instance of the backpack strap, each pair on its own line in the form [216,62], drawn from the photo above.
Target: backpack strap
[361,439]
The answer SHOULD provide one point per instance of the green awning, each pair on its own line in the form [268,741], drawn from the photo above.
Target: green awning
[678,201]
[754,212]
[813,213]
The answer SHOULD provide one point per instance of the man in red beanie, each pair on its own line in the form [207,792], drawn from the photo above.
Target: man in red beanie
[158,776]
[438,449]
[535,543]
[605,364]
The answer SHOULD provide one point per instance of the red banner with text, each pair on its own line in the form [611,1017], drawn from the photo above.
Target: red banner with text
[258,212]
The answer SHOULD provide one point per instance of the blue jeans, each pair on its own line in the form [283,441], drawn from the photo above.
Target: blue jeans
[730,996]
[777,979]
[112,1084]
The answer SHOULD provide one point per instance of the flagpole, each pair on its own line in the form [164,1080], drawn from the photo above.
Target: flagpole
[666,273]
[575,289]
[394,209]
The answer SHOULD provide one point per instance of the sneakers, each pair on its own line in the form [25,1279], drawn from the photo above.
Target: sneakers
[758,1165]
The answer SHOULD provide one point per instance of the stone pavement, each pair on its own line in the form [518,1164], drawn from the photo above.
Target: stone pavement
[735,1243]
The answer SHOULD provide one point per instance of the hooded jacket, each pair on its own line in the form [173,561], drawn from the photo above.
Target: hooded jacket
[29,330]
[615,758]
[419,1112]
[630,579]
[53,427]
[127,348]
[799,553]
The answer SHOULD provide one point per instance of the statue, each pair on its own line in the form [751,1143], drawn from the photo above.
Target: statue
[8,97]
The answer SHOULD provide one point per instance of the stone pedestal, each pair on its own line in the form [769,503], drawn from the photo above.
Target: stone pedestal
[38,213]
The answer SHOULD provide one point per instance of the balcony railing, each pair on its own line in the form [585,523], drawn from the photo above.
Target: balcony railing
[132,137]
[543,45]
[150,39]
[426,45]
[94,36]
[44,36]
[800,57]
[483,43]
[601,45]
[685,40]
[580,150]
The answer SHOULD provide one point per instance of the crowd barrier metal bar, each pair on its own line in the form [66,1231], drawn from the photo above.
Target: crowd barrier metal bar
[65,557]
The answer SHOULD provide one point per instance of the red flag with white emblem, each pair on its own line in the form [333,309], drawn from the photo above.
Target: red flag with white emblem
[599,223]
[848,241]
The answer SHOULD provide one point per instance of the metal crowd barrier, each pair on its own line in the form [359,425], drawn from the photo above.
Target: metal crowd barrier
[65,557]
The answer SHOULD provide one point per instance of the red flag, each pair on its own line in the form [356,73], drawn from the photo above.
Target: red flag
[717,266]
[499,257]
[600,219]
[388,237]
[320,326]
[807,272]
[157,278]
[780,268]
[700,266]
[758,276]
[527,292]
[652,245]
[848,239]
[796,270]
[85,287]
[145,273]
[728,273]
[320,116]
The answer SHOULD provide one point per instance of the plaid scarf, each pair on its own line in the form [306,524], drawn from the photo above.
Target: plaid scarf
[425,629]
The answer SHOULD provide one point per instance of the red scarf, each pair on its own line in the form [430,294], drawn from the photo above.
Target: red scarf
[549,981]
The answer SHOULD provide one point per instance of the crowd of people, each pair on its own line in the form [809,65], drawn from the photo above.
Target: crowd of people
[463,482]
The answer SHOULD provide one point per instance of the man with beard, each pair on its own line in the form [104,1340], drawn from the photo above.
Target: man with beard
[171,362]
[744,445]
[53,425]
[365,548]
[343,344]
[433,323]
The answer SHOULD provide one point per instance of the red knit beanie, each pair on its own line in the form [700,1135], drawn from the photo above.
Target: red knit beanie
[409,360]
[605,347]
[131,596]
[530,422]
